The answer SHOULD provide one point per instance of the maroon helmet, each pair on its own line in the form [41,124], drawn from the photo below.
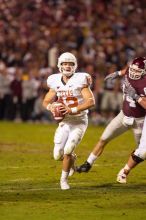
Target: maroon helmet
[137,68]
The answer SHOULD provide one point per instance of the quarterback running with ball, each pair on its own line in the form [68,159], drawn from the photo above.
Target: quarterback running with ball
[72,89]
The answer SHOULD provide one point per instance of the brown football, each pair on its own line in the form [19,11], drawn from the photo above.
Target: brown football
[58,116]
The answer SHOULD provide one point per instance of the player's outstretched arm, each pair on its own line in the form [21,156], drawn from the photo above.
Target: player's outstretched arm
[115,75]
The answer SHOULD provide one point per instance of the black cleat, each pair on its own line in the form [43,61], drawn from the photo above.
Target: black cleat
[84,168]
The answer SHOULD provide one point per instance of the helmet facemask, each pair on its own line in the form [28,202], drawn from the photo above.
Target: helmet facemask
[67,68]
[135,72]
[67,64]
[137,68]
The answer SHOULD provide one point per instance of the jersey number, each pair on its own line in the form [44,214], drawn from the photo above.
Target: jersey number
[70,101]
[131,102]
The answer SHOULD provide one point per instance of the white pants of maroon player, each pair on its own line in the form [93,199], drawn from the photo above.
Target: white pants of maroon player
[141,150]
[117,127]
[67,137]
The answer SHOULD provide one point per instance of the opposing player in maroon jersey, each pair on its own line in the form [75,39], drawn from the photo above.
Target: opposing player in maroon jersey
[135,89]
[131,116]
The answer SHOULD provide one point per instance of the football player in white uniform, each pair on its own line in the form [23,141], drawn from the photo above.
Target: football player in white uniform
[131,116]
[73,90]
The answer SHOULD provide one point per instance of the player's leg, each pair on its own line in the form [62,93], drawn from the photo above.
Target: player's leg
[114,129]
[75,135]
[137,156]
[67,170]
[60,138]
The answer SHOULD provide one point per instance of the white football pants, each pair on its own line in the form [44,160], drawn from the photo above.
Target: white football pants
[67,137]
[141,150]
[116,127]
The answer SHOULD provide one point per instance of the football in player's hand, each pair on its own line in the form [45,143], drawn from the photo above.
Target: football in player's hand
[57,113]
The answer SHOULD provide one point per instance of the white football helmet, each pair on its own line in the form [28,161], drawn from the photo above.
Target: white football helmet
[67,57]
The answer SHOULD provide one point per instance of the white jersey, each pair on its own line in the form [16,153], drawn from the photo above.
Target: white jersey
[70,93]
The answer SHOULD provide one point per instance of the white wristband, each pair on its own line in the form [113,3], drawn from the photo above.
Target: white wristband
[48,107]
[74,110]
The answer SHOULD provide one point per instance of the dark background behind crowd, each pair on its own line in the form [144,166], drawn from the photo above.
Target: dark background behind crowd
[104,35]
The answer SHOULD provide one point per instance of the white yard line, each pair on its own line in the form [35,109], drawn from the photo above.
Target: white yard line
[29,190]
[45,189]
[21,167]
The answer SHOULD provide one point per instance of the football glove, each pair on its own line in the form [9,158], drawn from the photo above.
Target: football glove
[112,76]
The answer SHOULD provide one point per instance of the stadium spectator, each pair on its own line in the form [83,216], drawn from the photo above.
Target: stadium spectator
[100,33]
[16,95]
[30,88]
[112,97]
[5,94]
[38,26]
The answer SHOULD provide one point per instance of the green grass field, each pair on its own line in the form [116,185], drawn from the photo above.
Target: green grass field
[29,178]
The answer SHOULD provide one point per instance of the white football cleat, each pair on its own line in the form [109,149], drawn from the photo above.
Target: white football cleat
[64,185]
[121,177]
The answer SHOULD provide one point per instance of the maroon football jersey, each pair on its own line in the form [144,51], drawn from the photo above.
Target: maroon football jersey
[130,107]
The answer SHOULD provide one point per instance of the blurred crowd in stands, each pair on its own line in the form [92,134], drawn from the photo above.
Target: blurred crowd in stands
[104,35]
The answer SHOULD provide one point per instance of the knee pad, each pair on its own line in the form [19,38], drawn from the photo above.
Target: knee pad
[73,141]
[60,138]
[58,153]
[69,149]
[136,158]
[61,134]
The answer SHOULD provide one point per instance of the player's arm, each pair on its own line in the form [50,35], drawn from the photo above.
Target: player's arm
[48,100]
[142,102]
[88,98]
[88,102]
[116,74]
